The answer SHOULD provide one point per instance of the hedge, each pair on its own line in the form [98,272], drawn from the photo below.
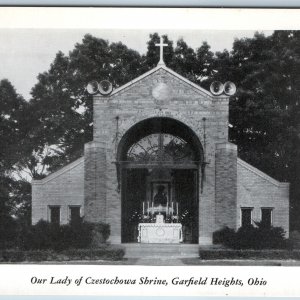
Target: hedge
[46,236]
[252,237]
[104,253]
[217,254]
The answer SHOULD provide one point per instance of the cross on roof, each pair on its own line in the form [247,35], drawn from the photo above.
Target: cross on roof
[161,57]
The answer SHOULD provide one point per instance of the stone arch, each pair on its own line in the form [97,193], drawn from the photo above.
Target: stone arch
[180,178]
[125,125]
[167,124]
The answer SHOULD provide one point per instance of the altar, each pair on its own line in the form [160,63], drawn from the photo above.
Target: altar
[160,233]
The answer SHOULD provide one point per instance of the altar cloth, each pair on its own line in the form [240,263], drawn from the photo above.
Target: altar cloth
[160,233]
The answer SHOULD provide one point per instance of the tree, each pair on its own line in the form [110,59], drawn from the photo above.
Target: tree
[204,64]
[264,113]
[12,107]
[62,109]
[12,132]
[185,61]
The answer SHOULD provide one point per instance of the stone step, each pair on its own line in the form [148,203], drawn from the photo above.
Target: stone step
[161,250]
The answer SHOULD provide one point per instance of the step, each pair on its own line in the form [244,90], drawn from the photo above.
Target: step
[139,250]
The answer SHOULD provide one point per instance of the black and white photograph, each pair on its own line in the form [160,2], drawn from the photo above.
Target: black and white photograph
[176,147]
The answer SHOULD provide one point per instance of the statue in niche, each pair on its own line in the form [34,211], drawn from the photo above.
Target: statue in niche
[160,198]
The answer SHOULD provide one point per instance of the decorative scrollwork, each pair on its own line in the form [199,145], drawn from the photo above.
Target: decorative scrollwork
[160,147]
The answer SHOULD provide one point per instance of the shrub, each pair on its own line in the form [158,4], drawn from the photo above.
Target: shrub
[223,236]
[250,237]
[246,238]
[12,256]
[279,254]
[79,235]
[103,253]
[8,230]
[100,234]
[294,239]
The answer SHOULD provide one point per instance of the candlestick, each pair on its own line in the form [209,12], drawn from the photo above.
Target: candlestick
[143,207]
[148,208]
[177,208]
[172,208]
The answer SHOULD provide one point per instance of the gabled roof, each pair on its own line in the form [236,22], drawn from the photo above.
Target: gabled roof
[262,174]
[59,172]
[158,67]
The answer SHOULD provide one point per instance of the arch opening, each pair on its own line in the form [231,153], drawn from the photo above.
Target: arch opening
[159,161]
[159,125]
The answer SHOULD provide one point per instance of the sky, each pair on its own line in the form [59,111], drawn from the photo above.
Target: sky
[24,53]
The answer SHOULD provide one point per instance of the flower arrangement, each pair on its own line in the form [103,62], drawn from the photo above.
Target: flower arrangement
[148,219]
[135,217]
[186,218]
[172,219]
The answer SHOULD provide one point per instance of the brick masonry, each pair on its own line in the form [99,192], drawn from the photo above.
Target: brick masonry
[95,182]
[228,183]
[226,186]
[257,190]
[62,188]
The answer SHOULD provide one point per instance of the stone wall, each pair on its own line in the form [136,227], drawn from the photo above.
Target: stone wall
[62,188]
[257,190]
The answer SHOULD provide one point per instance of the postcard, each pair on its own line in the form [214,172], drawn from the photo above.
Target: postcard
[149,151]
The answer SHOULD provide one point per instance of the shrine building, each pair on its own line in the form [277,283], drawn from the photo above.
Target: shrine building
[160,168]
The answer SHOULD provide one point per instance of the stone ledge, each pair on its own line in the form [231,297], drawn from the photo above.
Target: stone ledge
[227,146]
[94,144]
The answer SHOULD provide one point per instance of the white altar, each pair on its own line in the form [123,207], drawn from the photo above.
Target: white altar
[160,233]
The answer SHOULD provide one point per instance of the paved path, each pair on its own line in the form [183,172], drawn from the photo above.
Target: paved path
[159,262]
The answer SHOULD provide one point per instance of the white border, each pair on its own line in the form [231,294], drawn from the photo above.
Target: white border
[149,18]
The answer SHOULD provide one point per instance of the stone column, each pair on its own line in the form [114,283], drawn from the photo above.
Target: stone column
[226,186]
[113,198]
[95,182]
[206,205]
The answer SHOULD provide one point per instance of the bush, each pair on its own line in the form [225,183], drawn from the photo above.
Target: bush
[294,239]
[100,234]
[12,256]
[103,253]
[8,231]
[223,235]
[250,237]
[278,254]
[80,235]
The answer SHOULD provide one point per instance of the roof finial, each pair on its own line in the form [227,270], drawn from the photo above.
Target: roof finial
[161,57]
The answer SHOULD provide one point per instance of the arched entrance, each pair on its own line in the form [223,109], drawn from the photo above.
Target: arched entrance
[159,161]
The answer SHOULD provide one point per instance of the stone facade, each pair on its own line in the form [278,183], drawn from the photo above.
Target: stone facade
[63,188]
[227,183]
[257,190]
